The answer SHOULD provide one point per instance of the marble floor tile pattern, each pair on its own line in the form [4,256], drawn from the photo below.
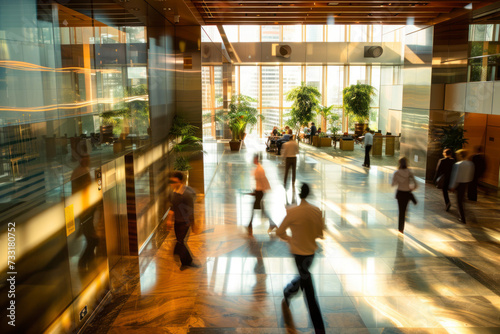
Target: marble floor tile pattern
[440,277]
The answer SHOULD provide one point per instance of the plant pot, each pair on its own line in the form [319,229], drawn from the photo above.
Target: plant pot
[325,142]
[359,128]
[235,145]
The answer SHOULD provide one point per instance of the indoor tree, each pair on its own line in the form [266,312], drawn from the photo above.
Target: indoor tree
[357,99]
[305,101]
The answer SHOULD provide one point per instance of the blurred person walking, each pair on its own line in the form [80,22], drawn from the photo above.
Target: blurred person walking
[403,178]
[182,200]
[306,223]
[290,151]
[368,141]
[461,175]
[261,187]
[479,168]
[443,175]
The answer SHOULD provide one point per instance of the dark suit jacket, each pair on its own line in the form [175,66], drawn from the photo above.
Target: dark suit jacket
[479,166]
[313,130]
[444,167]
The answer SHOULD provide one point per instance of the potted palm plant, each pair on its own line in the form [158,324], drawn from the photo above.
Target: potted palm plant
[186,144]
[357,99]
[240,115]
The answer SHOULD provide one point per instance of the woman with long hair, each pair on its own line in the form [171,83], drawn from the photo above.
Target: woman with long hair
[403,178]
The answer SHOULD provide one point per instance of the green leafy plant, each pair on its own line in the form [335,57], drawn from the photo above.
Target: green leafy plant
[240,114]
[186,143]
[453,137]
[335,124]
[182,164]
[357,99]
[305,101]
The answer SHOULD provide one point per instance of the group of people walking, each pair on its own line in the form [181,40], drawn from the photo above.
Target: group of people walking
[461,176]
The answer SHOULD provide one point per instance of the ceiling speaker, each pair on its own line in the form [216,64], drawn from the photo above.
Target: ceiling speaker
[373,51]
[283,51]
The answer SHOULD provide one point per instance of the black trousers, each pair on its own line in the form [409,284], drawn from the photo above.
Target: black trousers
[181,233]
[461,188]
[367,155]
[445,193]
[472,190]
[304,281]
[291,162]
[403,198]
[259,204]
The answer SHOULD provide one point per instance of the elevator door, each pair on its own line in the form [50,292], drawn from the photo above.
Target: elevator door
[113,177]
[492,154]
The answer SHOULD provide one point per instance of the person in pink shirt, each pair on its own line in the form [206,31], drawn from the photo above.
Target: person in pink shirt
[261,187]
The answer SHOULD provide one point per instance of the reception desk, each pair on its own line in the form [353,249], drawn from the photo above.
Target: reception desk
[378,144]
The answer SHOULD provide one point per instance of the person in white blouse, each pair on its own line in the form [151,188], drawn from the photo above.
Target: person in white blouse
[461,175]
[404,179]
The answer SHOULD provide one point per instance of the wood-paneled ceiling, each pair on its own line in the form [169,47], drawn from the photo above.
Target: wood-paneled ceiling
[270,12]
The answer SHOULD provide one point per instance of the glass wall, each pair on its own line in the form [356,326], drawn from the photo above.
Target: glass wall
[76,92]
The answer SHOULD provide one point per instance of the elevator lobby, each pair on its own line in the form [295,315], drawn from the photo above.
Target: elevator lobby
[439,277]
[102,100]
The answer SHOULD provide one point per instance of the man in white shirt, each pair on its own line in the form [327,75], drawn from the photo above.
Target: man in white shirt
[461,175]
[261,186]
[306,223]
[290,151]
[368,146]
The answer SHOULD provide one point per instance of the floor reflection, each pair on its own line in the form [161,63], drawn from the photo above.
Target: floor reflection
[440,277]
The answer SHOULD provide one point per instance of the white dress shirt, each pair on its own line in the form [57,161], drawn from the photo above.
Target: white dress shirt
[463,172]
[368,139]
[290,149]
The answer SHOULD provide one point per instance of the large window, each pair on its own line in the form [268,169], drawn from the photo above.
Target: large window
[292,33]
[291,79]
[250,34]
[270,97]
[314,76]
[270,84]
[314,33]
[336,33]
[335,80]
[270,33]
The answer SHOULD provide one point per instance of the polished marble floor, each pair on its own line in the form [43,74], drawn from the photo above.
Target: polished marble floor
[440,277]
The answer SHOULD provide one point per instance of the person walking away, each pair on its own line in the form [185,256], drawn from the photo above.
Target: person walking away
[368,141]
[405,181]
[306,223]
[461,175]
[290,151]
[261,186]
[313,133]
[182,201]
[479,168]
[443,174]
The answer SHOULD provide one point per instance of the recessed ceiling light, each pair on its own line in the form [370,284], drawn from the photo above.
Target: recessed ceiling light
[333,3]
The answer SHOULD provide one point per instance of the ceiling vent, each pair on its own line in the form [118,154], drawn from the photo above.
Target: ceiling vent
[206,51]
[283,51]
[373,51]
